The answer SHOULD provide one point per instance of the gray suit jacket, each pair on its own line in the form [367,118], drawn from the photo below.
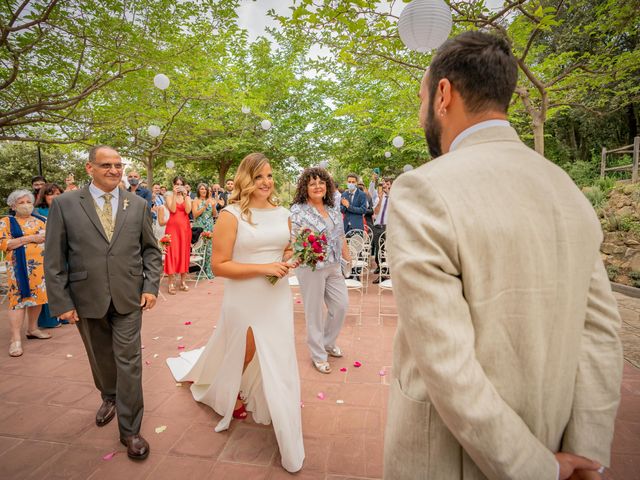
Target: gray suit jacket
[85,271]
[507,345]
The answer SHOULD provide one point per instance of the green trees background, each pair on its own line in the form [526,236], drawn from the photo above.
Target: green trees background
[77,73]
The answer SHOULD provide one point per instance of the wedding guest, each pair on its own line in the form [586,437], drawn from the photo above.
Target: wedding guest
[219,196]
[204,212]
[70,183]
[177,255]
[337,195]
[163,190]
[507,360]
[22,238]
[353,205]
[47,193]
[133,177]
[313,208]
[380,223]
[37,183]
[368,214]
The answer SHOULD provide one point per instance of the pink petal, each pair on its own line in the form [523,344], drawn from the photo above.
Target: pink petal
[321,396]
[147,362]
[298,301]
[357,364]
[180,347]
[142,346]
[382,373]
[301,404]
[187,323]
[109,456]
[343,369]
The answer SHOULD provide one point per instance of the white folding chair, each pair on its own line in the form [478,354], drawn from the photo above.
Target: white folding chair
[385,285]
[359,243]
[357,286]
[4,287]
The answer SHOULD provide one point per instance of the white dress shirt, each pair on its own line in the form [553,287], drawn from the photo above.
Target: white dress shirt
[97,195]
[474,128]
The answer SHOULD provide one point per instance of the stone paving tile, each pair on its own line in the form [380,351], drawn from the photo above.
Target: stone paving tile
[48,403]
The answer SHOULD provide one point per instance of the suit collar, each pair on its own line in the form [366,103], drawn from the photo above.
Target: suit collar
[488,135]
[88,205]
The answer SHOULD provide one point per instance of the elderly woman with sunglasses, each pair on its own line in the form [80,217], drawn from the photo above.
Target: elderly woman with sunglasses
[313,208]
[22,237]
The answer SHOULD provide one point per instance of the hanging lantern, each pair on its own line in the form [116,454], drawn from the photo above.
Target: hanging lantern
[246,110]
[407,168]
[292,159]
[154,131]
[323,164]
[170,164]
[424,25]
[398,142]
[161,81]
[265,124]
[387,154]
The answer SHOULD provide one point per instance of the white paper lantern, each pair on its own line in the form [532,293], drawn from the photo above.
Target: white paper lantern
[398,142]
[387,154]
[425,24]
[170,164]
[161,81]
[265,124]
[154,131]
[323,164]
[407,168]
[246,110]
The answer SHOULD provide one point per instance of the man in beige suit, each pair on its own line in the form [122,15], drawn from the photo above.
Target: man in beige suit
[507,362]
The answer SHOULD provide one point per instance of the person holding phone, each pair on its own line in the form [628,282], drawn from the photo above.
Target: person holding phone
[178,226]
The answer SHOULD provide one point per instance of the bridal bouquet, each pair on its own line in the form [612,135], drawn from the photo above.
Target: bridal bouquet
[309,248]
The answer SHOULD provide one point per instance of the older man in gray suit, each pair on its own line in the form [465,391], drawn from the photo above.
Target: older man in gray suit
[507,361]
[102,267]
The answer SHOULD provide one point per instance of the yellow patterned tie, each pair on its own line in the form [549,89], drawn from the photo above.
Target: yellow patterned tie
[106,215]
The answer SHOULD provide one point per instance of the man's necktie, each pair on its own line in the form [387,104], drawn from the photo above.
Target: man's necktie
[384,210]
[106,215]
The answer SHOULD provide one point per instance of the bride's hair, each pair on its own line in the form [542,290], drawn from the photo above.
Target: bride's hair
[243,183]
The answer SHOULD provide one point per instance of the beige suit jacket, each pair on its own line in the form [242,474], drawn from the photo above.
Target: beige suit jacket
[507,345]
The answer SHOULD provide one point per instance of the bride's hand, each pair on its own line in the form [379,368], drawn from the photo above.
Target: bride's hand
[277,269]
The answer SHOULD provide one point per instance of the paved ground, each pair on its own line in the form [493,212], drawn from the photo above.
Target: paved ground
[48,404]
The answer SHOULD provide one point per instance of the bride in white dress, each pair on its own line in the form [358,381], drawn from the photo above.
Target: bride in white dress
[251,354]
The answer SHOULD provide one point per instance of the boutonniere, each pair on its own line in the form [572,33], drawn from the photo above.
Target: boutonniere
[125,204]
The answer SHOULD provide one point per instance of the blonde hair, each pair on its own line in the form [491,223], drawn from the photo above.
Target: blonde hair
[243,183]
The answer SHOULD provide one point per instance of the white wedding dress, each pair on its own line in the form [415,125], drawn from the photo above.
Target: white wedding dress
[271,384]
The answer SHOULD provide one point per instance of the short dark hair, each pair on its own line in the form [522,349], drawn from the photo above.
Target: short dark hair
[303,184]
[48,189]
[178,178]
[480,66]
[228,180]
[38,178]
[353,175]
[93,151]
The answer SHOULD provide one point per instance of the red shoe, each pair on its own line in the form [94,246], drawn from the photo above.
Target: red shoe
[240,413]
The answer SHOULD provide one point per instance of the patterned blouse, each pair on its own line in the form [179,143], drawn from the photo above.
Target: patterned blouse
[305,215]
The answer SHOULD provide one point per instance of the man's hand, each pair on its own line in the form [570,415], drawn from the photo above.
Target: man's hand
[572,465]
[71,316]
[345,202]
[147,301]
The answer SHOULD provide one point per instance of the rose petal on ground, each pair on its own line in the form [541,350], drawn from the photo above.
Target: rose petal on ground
[180,347]
[155,355]
[147,362]
[357,364]
[69,355]
[156,338]
[178,384]
[161,428]
[187,323]
[340,401]
[320,396]
[179,338]
[343,369]
[142,346]
[301,404]
[109,456]
[298,301]
[382,373]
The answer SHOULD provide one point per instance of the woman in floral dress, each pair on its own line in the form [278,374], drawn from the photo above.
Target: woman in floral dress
[204,211]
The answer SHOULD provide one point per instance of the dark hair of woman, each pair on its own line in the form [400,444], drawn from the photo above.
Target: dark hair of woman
[177,179]
[309,174]
[207,192]
[48,189]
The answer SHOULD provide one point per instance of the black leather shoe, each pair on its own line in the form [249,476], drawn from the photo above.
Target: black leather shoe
[376,271]
[137,446]
[106,412]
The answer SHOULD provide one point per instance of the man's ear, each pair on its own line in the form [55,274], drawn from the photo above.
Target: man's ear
[444,96]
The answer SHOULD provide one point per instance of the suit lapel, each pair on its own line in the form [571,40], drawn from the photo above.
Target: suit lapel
[88,205]
[121,215]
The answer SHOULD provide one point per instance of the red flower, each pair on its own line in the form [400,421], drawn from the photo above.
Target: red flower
[323,237]
[320,258]
[305,244]
[317,248]
[311,238]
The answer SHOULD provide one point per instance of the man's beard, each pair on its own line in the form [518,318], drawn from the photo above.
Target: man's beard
[433,134]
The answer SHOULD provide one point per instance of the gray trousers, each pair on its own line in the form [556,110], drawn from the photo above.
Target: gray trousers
[114,350]
[323,286]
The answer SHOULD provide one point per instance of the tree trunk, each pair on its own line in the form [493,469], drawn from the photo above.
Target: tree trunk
[538,133]
[632,122]
[149,165]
